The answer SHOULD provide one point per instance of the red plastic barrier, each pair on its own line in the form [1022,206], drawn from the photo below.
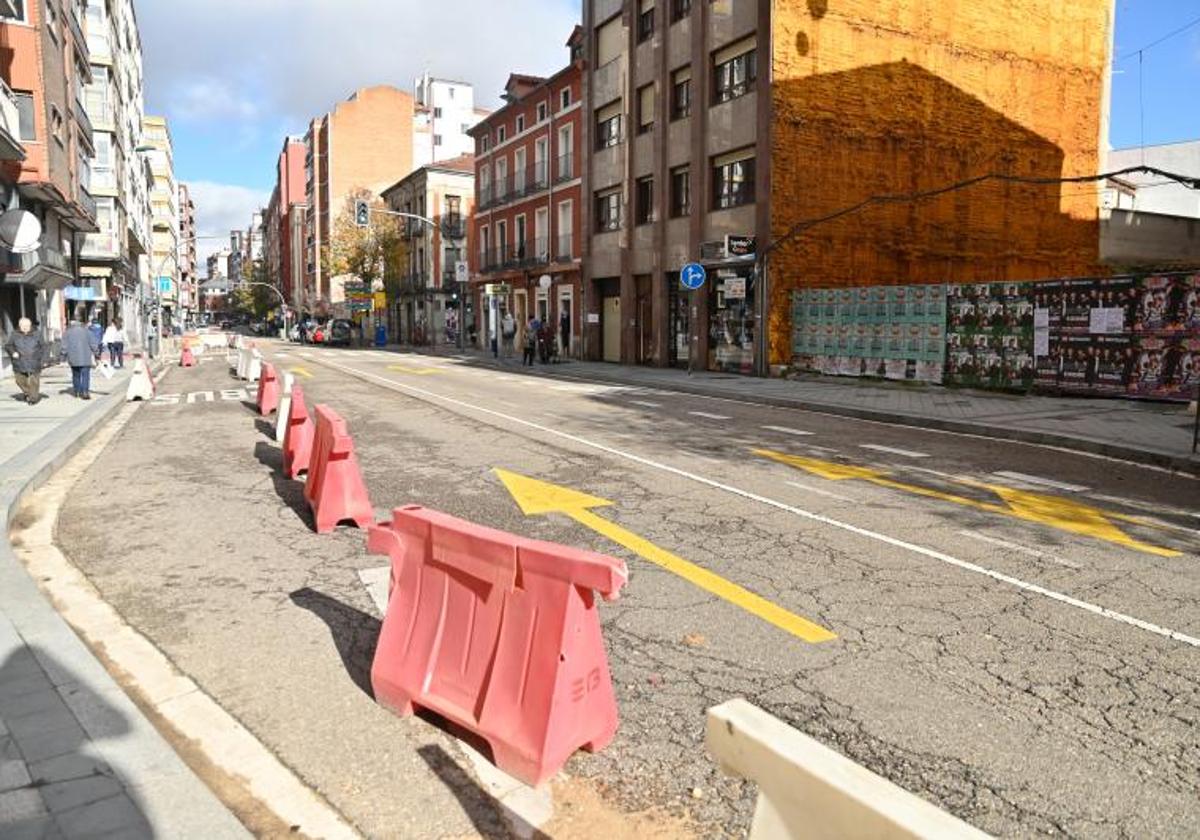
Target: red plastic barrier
[335,490]
[499,634]
[298,436]
[268,390]
[187,359]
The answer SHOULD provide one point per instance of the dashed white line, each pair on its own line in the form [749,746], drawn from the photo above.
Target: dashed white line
[708,416]
[645,404]
[891,450]
[1043,482]
[784,430]
[932,554]
[1021,549]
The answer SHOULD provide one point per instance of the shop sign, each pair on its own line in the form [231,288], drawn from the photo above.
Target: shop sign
[741,246]
[735,287]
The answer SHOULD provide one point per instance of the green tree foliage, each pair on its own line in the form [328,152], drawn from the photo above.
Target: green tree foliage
[372,254]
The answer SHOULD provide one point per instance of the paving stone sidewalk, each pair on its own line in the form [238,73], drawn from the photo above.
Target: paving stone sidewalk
[1145,432]
[77,758]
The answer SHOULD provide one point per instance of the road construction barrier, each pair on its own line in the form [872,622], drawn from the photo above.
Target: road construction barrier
[499,634]
[187,358]
[249,364]
[335,491]
[141,384]
[806,790]
[268,391]
[285,408]
[298,438]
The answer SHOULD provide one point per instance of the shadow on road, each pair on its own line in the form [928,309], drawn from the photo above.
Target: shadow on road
[267,428]
[491,819]
[355,633]
[291,493]
[51,783]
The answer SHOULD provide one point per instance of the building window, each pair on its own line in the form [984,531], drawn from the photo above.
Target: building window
[541,112]
[645,108]
[733,179]
[734,70]
[610,39]
[520,123]
[608,209]
[680,9]
[437,113]
[564,98]
[437,139]
[501,134]
[13,10]
[25,116]
[608,125]
[643,208]
[681,93]
[681,192]
[645,29]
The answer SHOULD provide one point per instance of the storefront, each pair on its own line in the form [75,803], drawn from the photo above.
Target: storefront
[732,332]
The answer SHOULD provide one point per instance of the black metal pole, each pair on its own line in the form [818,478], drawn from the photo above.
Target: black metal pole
[1196,424]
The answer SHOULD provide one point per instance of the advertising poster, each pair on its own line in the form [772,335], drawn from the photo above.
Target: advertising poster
[1048,295]
[989,335]
[1168,305]
[1113,355]
[1047,367]
[1078,363]
[1080,297]
[1164,368]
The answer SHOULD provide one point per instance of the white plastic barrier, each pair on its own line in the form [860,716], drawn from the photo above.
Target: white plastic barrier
[806,790]
[141,386]
[285,407]
[243,363]
[254,366]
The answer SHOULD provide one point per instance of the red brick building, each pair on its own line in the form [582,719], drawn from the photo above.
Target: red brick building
[283,224]
[528,201]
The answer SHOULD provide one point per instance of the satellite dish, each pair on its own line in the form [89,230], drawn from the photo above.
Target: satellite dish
[545,281]
[20,231]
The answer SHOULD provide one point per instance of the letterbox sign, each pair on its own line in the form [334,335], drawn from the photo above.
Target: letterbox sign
[740,246]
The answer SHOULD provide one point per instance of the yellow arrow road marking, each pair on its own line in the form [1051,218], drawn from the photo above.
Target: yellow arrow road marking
[415,371]
[1063,514]
[299,371]
[539,497]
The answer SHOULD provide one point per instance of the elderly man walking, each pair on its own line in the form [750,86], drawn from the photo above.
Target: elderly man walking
[28,354]
[81,348]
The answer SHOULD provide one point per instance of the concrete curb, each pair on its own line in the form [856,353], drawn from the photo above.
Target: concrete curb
[1186,464]
[178,802]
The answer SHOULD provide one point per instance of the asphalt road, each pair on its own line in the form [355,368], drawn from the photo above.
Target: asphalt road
[1016,628]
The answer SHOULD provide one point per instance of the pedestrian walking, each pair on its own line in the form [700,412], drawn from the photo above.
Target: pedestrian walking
[114,340]
[96,331]
[81,347]
[28,354]
[564,330]
[530,344]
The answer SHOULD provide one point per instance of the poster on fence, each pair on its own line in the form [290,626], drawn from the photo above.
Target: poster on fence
[989,336]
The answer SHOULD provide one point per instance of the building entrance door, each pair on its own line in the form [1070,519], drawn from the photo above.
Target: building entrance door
[611,326]
[678,302]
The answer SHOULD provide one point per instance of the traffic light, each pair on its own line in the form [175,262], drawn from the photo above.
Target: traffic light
[362,213]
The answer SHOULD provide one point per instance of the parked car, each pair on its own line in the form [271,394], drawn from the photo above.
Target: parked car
[339,332]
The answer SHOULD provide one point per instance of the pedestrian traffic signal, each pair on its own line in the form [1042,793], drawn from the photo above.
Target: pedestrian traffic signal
[362,213]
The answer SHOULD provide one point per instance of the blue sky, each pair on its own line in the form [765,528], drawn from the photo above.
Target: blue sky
[235,76]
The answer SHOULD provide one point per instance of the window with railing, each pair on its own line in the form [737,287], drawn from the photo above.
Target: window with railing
[566,246]
[564,169]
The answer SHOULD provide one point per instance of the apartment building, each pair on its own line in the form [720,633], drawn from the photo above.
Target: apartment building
[237,255]
[429,308]
[283,225]
[364,143]
[444,113]
[527,223]
[116,258]
[164,217]
[714,128]
[217,266]
[45,73]
[189,281]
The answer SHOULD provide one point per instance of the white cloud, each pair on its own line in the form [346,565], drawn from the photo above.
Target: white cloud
[293,59]
[221,208]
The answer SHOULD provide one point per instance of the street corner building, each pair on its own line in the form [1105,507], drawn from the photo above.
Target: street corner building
[710,120]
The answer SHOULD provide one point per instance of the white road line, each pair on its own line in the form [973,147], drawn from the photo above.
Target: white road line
[1149,507]
[784,430]
[932,554]
[1021,549]
[644,404]
[708,416]
[907,453]
[1044,482]
[819,492]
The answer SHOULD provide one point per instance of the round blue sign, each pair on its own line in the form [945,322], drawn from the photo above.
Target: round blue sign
[693,276]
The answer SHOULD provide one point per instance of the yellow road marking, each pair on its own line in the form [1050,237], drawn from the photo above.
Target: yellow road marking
[539,497]
[415,371]
[299,371]
[1057,512]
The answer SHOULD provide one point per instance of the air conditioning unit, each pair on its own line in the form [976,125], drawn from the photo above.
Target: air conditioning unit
[714,250]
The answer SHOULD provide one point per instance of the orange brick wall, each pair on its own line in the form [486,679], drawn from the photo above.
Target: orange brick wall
[371,144]
[877,97]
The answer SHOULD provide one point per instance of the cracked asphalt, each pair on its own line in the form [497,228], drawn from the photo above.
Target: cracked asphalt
[1024,713]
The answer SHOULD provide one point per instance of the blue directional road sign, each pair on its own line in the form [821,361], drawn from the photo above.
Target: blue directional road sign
[693,276]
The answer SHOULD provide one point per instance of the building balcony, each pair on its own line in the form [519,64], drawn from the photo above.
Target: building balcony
[565,252]
[99,46]
[564,168]
[46,268]
[100,246]
[10,121]
[453,227]
[79,40]
[86,202]
[84,121]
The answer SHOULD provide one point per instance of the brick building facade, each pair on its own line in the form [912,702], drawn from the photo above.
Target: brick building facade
[528,208]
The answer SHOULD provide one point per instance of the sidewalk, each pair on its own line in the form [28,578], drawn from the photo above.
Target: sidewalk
[77,757]
[1158,434]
